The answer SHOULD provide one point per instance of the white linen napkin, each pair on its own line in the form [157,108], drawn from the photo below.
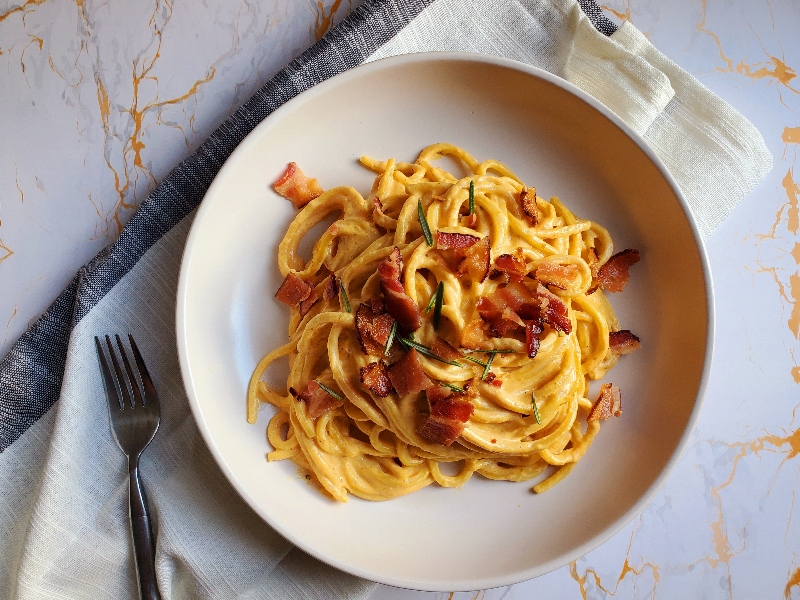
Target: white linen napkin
[63,485]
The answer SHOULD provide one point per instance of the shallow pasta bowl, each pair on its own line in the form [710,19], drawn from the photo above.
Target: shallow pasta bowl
[554,137]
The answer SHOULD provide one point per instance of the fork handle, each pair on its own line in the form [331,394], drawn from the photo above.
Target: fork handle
[143,546]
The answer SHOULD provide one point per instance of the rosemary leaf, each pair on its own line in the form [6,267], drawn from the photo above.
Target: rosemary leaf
[345,299]
[425,351]
[389,341]
[431,301]
[535,408]
[480,351]
[330,391]
[423,222]
[475,360]
[486,368]
[437,309]
[455,388]
[472,197]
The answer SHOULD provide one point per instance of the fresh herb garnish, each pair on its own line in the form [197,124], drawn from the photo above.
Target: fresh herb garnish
[389,341]
[455,388]
[345,299]
[486,368]
[423,222]
[479,351]
[432,300]
[437,310]
[425,351]
[475,360]
[472,197]
[535,408]
[330,391]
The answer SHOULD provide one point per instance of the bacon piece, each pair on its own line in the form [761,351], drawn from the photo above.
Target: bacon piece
[441,431]
[376,379]
[532,331]
[622,342]
[449,413]
[553,273]
[490,377]
[306,304]
[373,327]
[519,298]
[451,241]
[613,276]
[473,334]
[331,288]
[554,311]
[295,186]
[496,382]
[511,266]
[498,319]
[293,290]
[609,403]
[317,400]
[443,349]
[592,261]
[475,260]
[528,200]
[398,304]
[407,375]
[472,220]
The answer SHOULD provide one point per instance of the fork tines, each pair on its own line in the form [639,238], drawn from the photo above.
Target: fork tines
[127,390]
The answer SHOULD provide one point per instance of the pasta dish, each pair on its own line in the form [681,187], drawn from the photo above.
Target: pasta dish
[448,324]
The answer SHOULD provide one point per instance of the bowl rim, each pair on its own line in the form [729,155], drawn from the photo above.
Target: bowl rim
[572,554]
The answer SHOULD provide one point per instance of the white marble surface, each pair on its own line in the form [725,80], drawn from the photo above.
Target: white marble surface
[99,100]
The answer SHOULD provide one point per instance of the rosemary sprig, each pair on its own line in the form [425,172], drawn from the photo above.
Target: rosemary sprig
[455,388]
[486,368]
[425,351]
[423,222]
[345,299]
[431,301]
[437,309]
[535,408]
[389,341]
[472,197]
[330,391]
[475,360]
[479,351]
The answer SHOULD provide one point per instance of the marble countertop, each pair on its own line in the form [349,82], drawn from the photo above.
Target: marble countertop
[99,100]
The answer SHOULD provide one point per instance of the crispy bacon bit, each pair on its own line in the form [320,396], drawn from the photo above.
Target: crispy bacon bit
[554,311]
[528,200]
[449,413]
[490,377]
[473,334]
[532,331]
[439,430]
[622,342]
[293,290]
[498,319]
[511,266]
[553,273]
[456,241]
[609,403]
[317,400]
[306,304]
[295,186]
[472,220]
[398,303]
[475,260]
[614,274]
[373,327]
[496,382]
[407,375]
[443,349]
[331,288]
[376,379]
[519,298]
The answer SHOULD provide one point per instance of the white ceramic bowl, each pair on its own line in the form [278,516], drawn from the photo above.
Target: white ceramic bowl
[554,137]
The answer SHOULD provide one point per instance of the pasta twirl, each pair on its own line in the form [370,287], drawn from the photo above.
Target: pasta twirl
[379,400]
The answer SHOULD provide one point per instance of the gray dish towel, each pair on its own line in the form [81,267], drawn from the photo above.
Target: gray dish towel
[63,490]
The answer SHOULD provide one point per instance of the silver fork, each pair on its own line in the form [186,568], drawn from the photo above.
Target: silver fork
[134,420]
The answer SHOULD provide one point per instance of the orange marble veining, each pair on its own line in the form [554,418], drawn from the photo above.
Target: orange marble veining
[5,339]
[622,16]
[20,8]
[5,251]
[323,20]
[794,581]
